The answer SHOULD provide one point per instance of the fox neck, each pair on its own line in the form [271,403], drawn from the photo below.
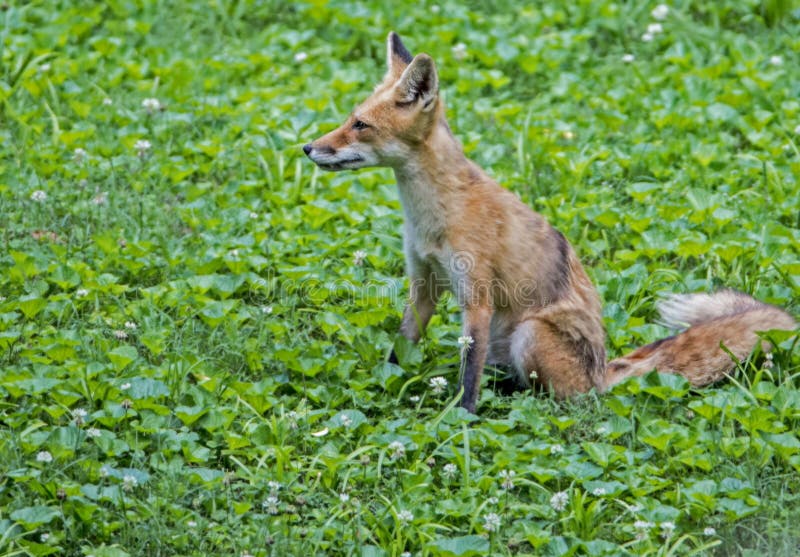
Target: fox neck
[428,179]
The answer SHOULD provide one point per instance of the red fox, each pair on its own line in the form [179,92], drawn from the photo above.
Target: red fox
[527,301]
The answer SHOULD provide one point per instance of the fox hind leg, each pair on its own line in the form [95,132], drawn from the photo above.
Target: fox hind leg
[543,354]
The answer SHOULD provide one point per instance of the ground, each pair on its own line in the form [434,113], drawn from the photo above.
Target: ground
[195,321]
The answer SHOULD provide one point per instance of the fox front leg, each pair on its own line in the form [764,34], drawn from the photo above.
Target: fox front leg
[419,309]
[477,320]
[423,295]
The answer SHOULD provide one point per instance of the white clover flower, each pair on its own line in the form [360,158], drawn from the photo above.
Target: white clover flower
[266,310]
[79,154]
[191,524]
[345,420]
[709,531]
[292,416]
[120,334]
[107,102]
[129,482]
[44,68]
[81,292]
[39,196]
[598,491]
[493,500]
[358,257]
[491,522]
[130,325]
[234,253]
[101,198]
[647,37]
[601,430]
[414,398]
[568,135]
[344,497]
[459,51]
[405,517]
[508,478]
[655,28]
[151,105]
[142,146]
[667,528]
[559,501]
[642,529]
[449,470]
[776,60]
[635,508]
[44,537]
[93,432]
[79,414]
[274,487]
[660,12]
[300,57]
[44,456]
[398,450]
[628,58]
[437,384]
[533,375]
[556,449]
[270,504]
[253,215]
[104,471]
[465,340]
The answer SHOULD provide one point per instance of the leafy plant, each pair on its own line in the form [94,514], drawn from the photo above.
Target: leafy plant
[195,322]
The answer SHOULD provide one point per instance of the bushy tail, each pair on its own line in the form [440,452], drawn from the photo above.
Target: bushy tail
[684,310]
[727,317]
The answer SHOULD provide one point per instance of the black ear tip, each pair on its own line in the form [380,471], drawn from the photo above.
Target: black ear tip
[399,49]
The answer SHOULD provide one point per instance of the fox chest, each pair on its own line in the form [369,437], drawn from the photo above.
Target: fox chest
[433,259]
[425,242]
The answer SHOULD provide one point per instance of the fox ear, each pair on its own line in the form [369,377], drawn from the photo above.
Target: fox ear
[419,82]
[397,55]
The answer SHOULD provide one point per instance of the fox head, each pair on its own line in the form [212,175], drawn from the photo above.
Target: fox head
[383,130]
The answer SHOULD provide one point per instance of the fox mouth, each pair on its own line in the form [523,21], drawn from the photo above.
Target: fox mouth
[339,165]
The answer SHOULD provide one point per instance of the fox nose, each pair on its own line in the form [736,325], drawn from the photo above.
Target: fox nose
[307,148]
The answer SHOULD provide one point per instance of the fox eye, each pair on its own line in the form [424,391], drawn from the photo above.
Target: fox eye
[359,125]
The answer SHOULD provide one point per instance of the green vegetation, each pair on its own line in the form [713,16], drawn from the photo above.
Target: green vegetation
[193,350]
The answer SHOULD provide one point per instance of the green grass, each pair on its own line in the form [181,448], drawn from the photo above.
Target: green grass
[193,363]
